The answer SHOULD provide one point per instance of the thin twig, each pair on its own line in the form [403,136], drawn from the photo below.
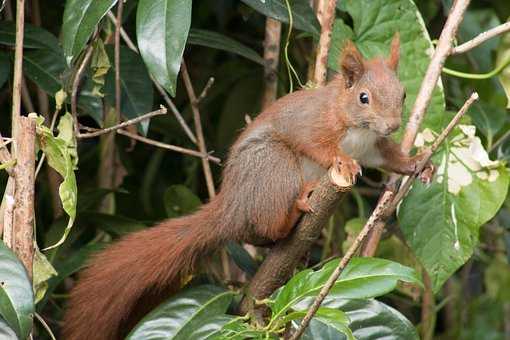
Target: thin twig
[118,26]
[133,121]
[481,38]
[198,130]
[205,90]
[168,146]
[437,142]
[499,141]
[326,15]
[18,67]
[160,89]
[76,83]
[5,155]
[385,206]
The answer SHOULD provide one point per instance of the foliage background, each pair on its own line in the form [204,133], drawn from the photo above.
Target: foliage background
[153,184]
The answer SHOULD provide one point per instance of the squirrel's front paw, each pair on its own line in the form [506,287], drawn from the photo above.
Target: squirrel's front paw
[348,167]
[425,176]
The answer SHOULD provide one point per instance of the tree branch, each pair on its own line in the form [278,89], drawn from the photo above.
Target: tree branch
[326,15]
[24,213]
[168,146]
[284,257]
[271,58]
[76,83]
[198,129]
[133,121]
[118,93]
[481,38]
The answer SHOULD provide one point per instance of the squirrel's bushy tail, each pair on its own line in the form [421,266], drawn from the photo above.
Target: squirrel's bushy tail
[146,264]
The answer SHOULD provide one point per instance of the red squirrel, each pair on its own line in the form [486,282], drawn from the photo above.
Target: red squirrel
[272,167]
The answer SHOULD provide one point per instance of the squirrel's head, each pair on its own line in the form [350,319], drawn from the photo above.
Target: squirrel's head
[374,95]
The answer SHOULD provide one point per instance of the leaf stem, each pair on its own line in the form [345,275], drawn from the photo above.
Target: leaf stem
[477,76]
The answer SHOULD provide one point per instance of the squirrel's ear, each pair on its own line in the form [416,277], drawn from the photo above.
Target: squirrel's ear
[394,52]
[351,63]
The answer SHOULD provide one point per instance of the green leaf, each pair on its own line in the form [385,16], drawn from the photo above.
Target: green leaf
[369,319]
[162,28]
[179,200]
[16,295]
[328,317]
[374,23]
[6,332]
[302,14]
[194,313]
[62,156]
[242,258]
[45,68]
[33,36]
[137,94]
[221,42]
[43,271]
[79,22]
[362,278]
[441,221]
[5,67]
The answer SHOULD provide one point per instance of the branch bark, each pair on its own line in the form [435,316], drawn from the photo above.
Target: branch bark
[326,16]
[198,130]
[23,242]
[271,57]
[284,257]
[481,38]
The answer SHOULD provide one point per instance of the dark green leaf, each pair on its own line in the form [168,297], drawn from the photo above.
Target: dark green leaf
[16,295]
[302,14]
[136,86]
[45,68]
[362,278]
[369,319]
[179,200]
[242,258]
[33,36]
[194,313]
[222,42]
[441,221]
[162,28]
[79,22]
[113,224]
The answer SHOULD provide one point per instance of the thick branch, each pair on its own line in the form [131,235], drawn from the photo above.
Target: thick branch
[326,16]
[284,257]
[431,78]
[24,213]
[481,38]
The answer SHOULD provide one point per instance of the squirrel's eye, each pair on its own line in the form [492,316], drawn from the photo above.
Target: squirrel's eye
[363,98]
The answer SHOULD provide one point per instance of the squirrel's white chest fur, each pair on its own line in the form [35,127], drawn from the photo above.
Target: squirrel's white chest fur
[360,144]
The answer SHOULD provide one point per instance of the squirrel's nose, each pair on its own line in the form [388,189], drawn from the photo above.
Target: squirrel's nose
[392,127]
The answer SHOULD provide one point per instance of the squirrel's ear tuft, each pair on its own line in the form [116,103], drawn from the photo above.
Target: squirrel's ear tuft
[351,63]
[392,60]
